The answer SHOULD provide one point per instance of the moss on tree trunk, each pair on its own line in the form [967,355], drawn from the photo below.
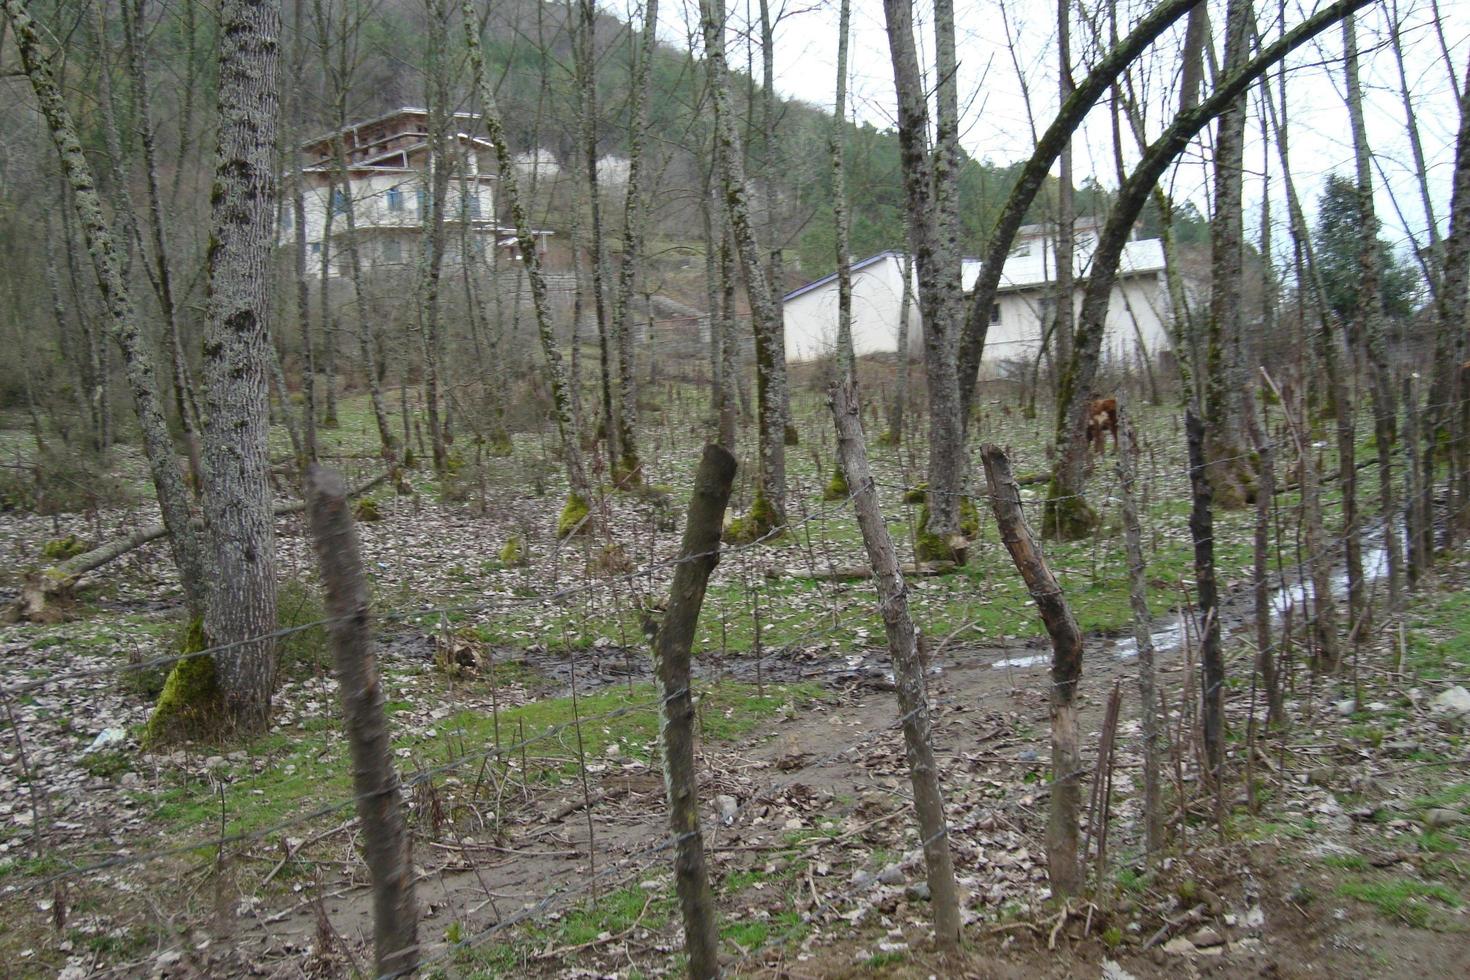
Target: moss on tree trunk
[191,705]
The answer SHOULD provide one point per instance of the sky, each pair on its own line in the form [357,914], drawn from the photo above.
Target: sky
[996,125]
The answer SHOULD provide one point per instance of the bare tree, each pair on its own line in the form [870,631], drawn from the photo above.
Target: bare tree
[769,508]
[241,600]
[123,319]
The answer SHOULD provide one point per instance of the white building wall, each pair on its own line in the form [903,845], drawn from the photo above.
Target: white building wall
[1139,305]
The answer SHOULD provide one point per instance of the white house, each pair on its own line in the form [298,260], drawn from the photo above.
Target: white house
[389,170]
[1137,317]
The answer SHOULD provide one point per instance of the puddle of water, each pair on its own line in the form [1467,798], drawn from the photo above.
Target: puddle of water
[1032,661]
[1171,637]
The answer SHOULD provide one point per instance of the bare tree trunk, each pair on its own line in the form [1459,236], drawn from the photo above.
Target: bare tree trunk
[1212,661]
[929,180]
[387,844]
[1229,473]
[241,600]
[837,147]
[1065,240]
[1447,393]
[769,508]
[583,28]
[433,257]
[722,386]
[899,407]
[578,512]
[186,403]
[1067,513]
[908,670]
[1033,177]
[698,556]
[1370,329]
[1153,806]
[630,465]
[123,318]
[340,73]
[1064,865]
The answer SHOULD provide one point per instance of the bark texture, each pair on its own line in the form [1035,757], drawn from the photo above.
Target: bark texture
[1064,865]
[698,556]
[770,354]
[123,319]
[387,845]
[241,601]
[908,669]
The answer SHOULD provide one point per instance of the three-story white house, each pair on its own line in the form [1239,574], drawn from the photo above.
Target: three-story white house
[389,171]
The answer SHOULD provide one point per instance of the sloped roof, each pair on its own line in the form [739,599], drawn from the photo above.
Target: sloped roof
[1023,272]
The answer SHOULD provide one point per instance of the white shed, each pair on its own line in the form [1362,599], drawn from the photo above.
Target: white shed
[1137,317]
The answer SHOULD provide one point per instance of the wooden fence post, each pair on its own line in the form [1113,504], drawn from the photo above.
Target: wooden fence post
[1063,867]
[908,671]
[386,843]
[698,556]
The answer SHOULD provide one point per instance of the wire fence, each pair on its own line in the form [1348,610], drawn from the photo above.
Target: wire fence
[832,621]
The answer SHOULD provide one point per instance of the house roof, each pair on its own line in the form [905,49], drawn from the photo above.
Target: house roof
[856,266]
[1022,272]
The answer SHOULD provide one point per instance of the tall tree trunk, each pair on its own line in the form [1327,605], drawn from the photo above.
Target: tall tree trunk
[908,668]
[929,180]
[578,512]
[241,602]
[1447,392]
[723,404]
[1230,474]
[629,466]
[186,404]
[582,23]
[126,326]
[769,508]
[837,148]
[899,406]
[1067,513]
[1211,658]
[1065,239]
[1033,177]
[438,191]
[1371,333]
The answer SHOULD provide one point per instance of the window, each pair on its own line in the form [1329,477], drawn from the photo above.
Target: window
[392,250]
[423,197]
[994,313]
[339,201]
[1021,250]
[395,199]
[285,219]
[472,203]
[316,248]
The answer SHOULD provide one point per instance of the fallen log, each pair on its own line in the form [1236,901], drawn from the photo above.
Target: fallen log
[46,589]
[843,573]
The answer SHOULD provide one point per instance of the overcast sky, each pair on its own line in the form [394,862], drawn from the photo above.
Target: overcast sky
[995,120]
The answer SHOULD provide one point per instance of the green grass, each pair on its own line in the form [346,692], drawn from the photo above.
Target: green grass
[1402,898]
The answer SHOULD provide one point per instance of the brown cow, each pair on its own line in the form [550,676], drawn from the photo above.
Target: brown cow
[1102,418]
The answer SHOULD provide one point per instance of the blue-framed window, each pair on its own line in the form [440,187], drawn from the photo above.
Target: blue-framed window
[339,201]
[472,202]
[395,199]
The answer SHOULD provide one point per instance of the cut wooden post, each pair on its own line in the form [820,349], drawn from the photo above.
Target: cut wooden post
[908,671]
[698,556]
[1142,637]
[387,846]
[1063,867]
